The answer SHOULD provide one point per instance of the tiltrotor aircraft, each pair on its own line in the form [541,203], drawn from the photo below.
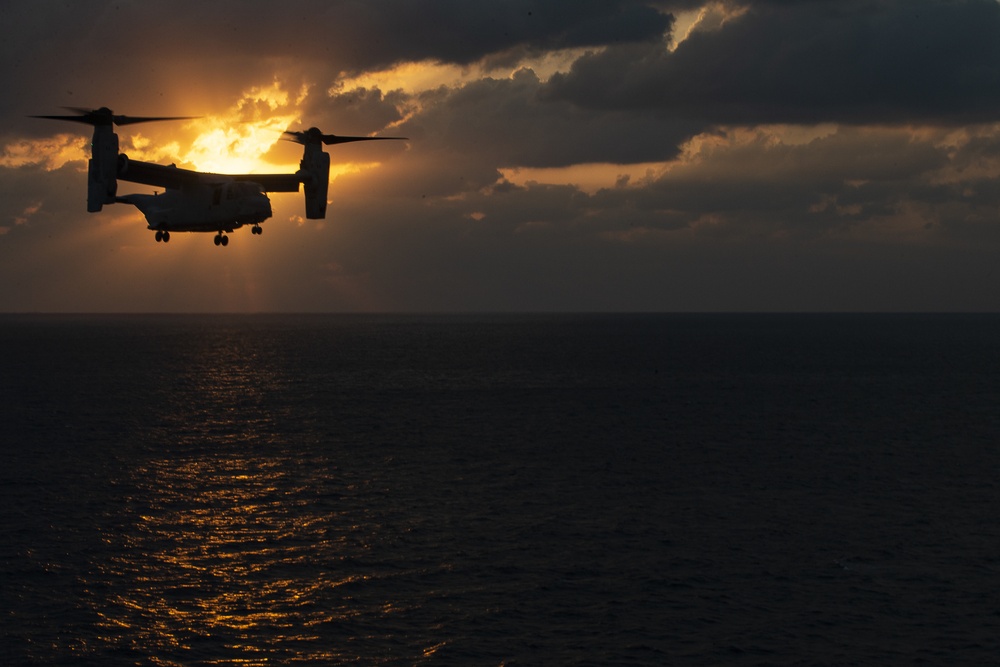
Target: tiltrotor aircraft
[195,201]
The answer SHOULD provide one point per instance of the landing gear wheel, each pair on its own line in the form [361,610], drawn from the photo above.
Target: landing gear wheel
[256,230]
[159,236]
[218,239]
[225,240]
[166,236]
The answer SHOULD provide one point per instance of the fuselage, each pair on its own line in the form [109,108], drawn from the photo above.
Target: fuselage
[220,207]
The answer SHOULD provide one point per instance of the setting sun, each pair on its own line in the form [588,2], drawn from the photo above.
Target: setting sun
[235,141]
[227,147]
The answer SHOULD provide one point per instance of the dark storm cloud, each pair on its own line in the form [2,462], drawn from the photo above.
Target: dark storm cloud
[856,62]
[26,187]
[852,182]
[507,122]
[744,185]
[784,181]
[378,33]
[457,31]
[357,111]
[120,52]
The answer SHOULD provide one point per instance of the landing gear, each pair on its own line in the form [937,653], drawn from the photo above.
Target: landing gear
[256,229]
[162,236]
[221,239]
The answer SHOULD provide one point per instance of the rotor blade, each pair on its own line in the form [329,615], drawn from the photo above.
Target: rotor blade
[304,137]
[78,119]
[330,139]
[95,117]
[104,116]
[129,120]
[314,136]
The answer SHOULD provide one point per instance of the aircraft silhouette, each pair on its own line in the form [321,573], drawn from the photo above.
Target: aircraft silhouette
[195,201]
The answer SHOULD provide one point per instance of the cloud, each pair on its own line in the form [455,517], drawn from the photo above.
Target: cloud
[510,123]
[50,152]
[849,184]
[853,62]
[121,53]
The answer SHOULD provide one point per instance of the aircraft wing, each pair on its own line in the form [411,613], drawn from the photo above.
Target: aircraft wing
[268,182]
[148,173]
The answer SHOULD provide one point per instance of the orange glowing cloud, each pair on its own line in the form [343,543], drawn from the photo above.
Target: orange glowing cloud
[51,152]
[415,77]
[588,178]
[236,140]
[233,141]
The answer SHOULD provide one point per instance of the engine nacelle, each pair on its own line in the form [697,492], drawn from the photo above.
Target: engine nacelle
[102,169]
[316,183]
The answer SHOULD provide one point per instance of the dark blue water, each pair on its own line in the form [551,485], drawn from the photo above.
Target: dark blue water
[500,490]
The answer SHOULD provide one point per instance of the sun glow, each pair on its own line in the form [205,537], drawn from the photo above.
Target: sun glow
[235,141]
[223,147]
[337,170]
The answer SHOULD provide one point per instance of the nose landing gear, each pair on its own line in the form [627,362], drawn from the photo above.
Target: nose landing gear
[162,236]
[221,239]
[256,229]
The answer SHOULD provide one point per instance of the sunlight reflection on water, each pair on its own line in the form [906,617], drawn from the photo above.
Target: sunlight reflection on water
[224,548]
[240,536]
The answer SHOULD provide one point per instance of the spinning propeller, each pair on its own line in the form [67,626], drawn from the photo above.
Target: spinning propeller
[105,117]
[314,136]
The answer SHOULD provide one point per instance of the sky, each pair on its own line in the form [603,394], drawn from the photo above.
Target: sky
[562,155]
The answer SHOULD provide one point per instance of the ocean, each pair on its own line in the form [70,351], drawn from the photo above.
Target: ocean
[500,489]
